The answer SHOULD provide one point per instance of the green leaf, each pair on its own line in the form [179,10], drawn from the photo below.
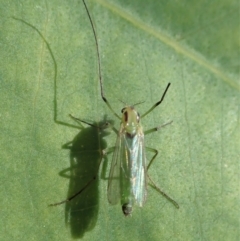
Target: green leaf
[143,46]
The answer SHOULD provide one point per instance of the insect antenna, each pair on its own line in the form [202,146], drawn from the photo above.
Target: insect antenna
[138,103]
[99,63]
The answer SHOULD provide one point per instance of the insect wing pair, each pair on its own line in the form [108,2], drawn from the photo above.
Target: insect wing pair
[127,179]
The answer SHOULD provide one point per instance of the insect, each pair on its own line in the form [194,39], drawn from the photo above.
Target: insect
[128,173]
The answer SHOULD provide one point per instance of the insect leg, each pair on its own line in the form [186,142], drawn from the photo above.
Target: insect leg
[104,167]
[157,128]
[163,193]
[158,103]
[152,182]
[105,153]
[151,149]
[154,156]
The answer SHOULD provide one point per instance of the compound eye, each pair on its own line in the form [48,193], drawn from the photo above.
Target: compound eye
[123,109]
[126,116]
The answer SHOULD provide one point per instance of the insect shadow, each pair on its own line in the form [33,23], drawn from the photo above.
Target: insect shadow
[86,155]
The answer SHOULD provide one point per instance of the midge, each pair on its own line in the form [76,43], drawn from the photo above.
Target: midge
[128,174]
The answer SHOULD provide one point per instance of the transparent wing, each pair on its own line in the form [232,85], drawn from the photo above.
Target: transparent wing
[114,175]
[136,167]
[127,178]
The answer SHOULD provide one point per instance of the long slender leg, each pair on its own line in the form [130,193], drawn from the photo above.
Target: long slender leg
[151,161]
[154,156]
[153,184]
[158,103]
[104,166]
[163,193]
[151,149]
[157,128]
